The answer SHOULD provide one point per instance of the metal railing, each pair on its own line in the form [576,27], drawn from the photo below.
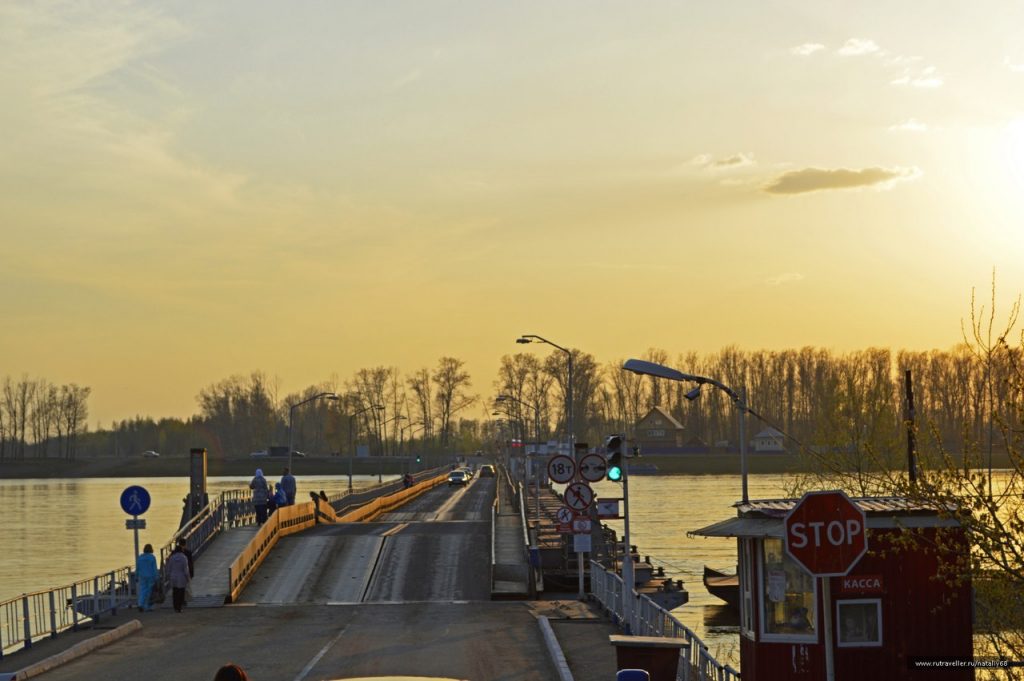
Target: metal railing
[650,619]
[40,614]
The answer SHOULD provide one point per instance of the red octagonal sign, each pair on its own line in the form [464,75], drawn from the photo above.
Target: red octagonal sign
[826,534]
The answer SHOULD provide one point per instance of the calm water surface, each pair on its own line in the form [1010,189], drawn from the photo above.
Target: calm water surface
[54,532]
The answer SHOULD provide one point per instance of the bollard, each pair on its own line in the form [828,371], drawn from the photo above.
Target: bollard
[53,615]
[28,622]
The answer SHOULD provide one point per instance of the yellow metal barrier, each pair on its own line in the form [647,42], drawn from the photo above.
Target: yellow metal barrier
[282,522]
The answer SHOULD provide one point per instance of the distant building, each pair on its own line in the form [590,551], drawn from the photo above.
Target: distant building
[658,431]
[769,440]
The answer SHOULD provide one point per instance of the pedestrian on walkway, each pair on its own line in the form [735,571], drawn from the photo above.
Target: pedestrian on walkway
[288,485]
[231,672]
[177,573]
[146,573]
[183,547]
[260,494]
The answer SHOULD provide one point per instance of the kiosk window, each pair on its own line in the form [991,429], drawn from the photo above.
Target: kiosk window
[859,623]
[788,595]
[746,554]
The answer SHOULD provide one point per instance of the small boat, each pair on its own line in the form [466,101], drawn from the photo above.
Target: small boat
[722,585]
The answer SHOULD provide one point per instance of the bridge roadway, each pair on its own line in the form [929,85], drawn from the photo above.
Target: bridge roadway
[406,594]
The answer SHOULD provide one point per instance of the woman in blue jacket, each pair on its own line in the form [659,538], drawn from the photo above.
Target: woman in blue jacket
[146,572]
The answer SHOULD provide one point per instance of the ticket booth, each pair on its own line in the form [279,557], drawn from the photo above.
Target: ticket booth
[890,612]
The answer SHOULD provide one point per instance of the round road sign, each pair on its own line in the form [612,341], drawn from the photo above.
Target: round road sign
[826,533]
[593,467]
[579,496]
[561,468]
[565,515]
[135,500]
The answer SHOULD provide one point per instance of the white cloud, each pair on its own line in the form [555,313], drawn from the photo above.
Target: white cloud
[737,160]
[784,278]
[925,78]
[808,180]
[910,125]
[1016,68]
[856,47]
[806,49]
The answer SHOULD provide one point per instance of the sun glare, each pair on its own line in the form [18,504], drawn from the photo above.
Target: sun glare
[1013,151]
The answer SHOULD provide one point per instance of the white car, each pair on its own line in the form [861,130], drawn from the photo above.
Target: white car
[150,454]
[258,455]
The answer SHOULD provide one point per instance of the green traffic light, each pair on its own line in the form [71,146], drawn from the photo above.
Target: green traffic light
[615,473]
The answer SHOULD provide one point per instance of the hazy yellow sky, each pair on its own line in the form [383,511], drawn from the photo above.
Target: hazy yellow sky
[194,190]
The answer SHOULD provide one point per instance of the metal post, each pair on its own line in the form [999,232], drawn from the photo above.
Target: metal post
[570,424]
[826,596]
[74,603]
[741,404]
[53,615]
[628,579]
[28,622]
[291,410]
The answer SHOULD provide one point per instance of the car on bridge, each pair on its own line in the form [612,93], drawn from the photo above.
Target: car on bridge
[258,455]
[487,471]
[150,454]
[457,478]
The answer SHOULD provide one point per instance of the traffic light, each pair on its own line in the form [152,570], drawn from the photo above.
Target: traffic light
[419,459]
[613,453]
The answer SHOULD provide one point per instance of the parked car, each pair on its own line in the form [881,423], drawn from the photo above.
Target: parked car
[487,471]
[457,478]
[298,454]
[150,454]
[258,455]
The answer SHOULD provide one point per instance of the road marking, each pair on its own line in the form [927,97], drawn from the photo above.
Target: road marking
[395,530]
[316,658]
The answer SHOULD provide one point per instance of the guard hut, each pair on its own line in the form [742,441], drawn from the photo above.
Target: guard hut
[888,611]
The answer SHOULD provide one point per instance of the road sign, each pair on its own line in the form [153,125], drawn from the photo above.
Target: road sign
[565,515]
[826,533]
[581,543]
[135,500]
[561,468]
[608,508]
[593,467]
[135,524]
[581,525]
[579,496]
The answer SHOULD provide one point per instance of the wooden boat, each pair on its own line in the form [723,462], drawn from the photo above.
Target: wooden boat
[722,585]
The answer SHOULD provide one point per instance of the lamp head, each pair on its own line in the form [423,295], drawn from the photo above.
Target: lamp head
[501,398]
[332,396]
[379,407]
[524,340]
[692,394]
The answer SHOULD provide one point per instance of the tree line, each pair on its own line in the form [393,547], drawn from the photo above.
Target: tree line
[41,419]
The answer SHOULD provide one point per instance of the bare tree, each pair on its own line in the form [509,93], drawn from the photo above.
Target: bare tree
[451,380]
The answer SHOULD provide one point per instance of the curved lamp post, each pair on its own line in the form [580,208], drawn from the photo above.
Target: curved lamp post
[530,338]
[639,366]
[291,412]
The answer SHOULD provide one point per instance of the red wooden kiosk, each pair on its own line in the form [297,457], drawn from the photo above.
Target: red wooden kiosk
[887,611]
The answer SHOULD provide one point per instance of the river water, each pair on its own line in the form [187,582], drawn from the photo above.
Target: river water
[56,531]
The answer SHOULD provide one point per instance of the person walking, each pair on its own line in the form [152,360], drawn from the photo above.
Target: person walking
[288,485]
[177,573]
[183,547]
[260,494]
[146,572]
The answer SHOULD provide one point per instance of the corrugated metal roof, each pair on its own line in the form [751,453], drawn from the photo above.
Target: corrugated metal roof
[778,508]
[741,527]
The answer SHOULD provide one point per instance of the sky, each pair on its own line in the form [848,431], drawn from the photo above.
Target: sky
[194,190]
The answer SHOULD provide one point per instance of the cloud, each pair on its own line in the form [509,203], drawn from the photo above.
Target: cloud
[806,49]
[909,125]
[1016,68]
[925,78]
[823,179]
[737,160]
[856,47]
[784,278]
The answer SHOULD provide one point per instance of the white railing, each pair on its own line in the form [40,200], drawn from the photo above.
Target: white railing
[33,616]
[650,619]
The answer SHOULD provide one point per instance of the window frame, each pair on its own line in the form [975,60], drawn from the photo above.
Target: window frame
[839,623]
[746,554]
[768,637]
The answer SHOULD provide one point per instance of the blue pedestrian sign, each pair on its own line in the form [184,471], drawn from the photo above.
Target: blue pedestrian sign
[135,500]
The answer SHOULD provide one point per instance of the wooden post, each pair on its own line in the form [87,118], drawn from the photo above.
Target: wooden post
[911,443]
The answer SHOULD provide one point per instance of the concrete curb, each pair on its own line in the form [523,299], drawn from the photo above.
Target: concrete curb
[74,652]
[555,650]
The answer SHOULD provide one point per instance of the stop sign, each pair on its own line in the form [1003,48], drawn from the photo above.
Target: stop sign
[825,533]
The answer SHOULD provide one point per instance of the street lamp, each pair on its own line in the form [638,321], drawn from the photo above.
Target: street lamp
[351,438]
[291,412]
[639,366]
[530,338]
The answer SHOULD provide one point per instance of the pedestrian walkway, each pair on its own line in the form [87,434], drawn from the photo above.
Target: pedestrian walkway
[510,573]
[210,585]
